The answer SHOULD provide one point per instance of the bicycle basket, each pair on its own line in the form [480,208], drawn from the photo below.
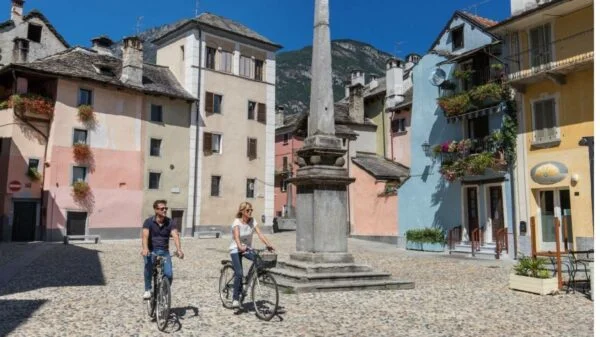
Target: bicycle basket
[268,260]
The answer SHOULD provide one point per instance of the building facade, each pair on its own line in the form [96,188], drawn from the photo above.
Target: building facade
[231,70]
[550,52]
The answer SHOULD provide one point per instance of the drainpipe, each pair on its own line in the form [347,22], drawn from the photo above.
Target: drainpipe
[513,208]
[383,128]
[198,94]
[392,138]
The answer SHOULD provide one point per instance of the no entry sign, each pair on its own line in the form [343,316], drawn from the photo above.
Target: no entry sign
[14,186]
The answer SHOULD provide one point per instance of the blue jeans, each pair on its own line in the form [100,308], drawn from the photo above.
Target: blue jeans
[236,259]
[149,261]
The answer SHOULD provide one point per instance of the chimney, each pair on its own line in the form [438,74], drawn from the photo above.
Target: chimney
[394,79]
[357,76]
[132,61]
[279,116]
[356,109]
[16,10]
[102,44]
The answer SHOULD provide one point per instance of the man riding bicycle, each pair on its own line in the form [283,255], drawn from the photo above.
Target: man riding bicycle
[156,232]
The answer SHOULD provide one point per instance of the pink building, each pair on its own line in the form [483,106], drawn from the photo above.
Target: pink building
[399,132]
[95,139]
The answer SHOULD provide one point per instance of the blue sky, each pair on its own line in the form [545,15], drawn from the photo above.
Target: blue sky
[395,26]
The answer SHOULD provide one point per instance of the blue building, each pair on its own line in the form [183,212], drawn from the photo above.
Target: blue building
[460,142]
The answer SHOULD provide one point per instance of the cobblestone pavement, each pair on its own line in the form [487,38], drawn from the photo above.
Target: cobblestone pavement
[95,290]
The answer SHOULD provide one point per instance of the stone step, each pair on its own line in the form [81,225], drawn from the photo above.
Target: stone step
[390,284]
[306,267]
[303,277]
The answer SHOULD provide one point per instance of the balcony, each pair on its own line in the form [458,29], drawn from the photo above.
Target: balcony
[479,100]
[553,61]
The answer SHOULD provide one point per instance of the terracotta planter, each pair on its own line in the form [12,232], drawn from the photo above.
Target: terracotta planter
[542,286]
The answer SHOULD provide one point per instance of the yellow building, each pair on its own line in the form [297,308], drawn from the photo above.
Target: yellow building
[550,57]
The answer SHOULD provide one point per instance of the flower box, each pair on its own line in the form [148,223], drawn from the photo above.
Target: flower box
[411,245]
[433,247]
[34,174]
[85,113]
[32,106]
[542,286]
[81,190]
[81,152]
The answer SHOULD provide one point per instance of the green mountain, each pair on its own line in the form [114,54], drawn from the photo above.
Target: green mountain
[293,71]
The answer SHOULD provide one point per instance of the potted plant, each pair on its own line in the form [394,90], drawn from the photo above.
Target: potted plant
[486,94]
[34,174]
[434,240]
[531,275]
[85,113]
[81,189]
[81,152]
[455,105]
[413,239]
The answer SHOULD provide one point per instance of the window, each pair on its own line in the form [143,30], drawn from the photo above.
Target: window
[85,97]
[251,150]
[478,128]
[262,113]
[155,147]
[402,124]
[283,185]
[258,70]
[226,61]
[212,142]
[80,136]
[210,57]
[286,138]
[545,126]
[156,113]
[285,163]
[250,188]
[465,82]
[182,48]
[395,125]
[251,110]
[212,103]
[34,33]
[154,181]
[1,145]
[540,39]
[215,186]
[33,164]
[79,174]
[457,38]
[246,67]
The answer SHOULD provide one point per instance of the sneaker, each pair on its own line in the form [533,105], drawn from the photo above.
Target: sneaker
[147,295]
[235,304]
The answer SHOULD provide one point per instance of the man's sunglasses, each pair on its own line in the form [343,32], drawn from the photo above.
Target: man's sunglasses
[162,208]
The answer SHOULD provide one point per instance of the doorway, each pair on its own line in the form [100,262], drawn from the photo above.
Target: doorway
[76,223]
[24,219]
[496,210]
[554,204]
[177,218]
[472,210]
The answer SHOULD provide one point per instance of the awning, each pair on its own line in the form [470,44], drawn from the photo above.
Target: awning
[501,107]
[467,54]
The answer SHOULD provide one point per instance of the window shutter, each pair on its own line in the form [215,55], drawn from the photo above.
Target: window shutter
[208,103]
[262,113]
[207,142]
[395,125]
[251,152]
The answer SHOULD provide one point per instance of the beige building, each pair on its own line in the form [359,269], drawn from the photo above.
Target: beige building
[231,70]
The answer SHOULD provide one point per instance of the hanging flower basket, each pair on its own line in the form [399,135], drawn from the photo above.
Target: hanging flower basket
[34,174]
[32,106]
[81,152]
[86,113]
[81,190]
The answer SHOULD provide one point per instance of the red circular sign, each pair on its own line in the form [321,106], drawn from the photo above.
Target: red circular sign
[14,186]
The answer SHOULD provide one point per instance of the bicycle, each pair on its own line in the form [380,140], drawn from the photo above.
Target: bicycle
[259,281]
[160,299]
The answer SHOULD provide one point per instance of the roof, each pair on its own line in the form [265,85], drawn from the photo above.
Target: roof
[529,12]
[83,63]
[408,99]
[485,22]
[478,21]
[221,23]
[380,88]
[342,115]
[380,167]
[455,58]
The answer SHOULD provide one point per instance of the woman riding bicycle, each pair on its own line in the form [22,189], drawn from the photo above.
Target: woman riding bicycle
[242,229]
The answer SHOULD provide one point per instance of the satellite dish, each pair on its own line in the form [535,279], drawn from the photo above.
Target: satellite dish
[437,77]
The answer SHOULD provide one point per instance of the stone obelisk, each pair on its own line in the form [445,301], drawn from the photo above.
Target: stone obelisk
[321,261]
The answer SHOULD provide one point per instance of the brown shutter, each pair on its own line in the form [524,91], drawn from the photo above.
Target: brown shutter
[262,113]
[251,151]
[207,142]
[208,103]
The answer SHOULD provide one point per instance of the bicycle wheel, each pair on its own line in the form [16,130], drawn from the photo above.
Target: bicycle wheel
[163,304]
[265,295]
[226,286]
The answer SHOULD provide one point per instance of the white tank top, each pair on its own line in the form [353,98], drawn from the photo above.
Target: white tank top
[246,231]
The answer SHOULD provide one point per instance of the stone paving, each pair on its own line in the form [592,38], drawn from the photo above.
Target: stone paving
[95,290]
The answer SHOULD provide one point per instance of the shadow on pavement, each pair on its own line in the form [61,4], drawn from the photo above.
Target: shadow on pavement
[14,312]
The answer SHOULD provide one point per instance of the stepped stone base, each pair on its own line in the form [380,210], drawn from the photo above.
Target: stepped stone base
[308,272]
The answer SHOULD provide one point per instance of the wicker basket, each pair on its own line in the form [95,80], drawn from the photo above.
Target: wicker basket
[269,260]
